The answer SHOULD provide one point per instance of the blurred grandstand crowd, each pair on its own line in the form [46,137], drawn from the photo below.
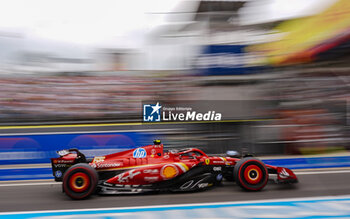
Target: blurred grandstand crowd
[90,97]
[312,111]
[309,108]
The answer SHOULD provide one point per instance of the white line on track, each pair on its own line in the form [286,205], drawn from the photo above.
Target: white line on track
[10,167]
[321,172]
[29,184]
[316,198]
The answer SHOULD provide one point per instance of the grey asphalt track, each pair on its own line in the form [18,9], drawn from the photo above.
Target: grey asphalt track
[50,197]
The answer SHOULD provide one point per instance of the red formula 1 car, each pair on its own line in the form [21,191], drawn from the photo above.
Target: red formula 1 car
[149,168]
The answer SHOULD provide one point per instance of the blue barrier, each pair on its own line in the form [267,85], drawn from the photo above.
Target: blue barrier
[25,174]
[311,162]
[30,149]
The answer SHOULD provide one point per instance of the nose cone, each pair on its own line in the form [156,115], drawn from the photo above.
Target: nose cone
[285,175]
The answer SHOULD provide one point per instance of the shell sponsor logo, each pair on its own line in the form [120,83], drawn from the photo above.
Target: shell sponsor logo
[207,161]
[169,171]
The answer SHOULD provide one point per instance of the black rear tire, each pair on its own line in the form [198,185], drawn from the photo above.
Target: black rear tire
[251,174]
[80,181]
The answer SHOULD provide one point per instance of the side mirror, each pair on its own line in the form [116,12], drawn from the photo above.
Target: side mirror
[233,154]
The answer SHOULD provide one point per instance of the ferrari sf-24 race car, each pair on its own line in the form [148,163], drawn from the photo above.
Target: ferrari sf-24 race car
[149,168]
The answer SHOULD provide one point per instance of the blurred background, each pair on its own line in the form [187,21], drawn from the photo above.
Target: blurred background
[89,61]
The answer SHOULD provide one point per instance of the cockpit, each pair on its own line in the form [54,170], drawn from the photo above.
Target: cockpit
[188,153]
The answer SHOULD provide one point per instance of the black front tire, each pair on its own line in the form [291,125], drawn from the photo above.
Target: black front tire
[251,174]
[80,181]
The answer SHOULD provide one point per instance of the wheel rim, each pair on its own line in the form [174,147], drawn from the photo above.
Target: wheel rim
[253,174]
[79,182]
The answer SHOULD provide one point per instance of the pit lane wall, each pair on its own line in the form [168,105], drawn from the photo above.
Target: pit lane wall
[34,149]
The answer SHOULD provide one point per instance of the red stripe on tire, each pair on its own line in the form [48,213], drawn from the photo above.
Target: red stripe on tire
[248,170]
[76,176]
[243,183]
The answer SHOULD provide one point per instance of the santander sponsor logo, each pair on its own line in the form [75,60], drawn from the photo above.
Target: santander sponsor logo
[105,165]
